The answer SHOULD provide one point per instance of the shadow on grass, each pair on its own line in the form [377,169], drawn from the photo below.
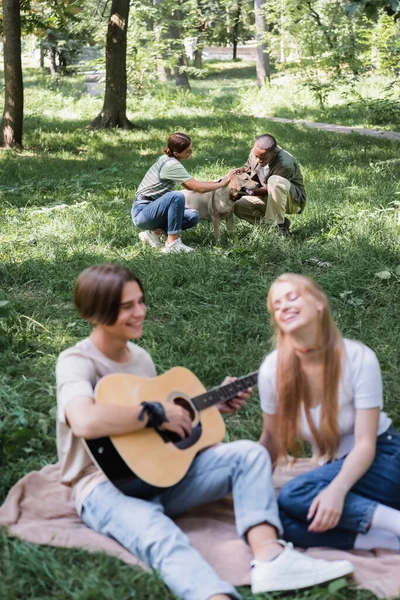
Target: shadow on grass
[244,71]
[69,86]
[72,157]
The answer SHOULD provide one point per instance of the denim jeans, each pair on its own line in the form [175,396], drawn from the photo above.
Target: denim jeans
[168,213]
[380,484]
[146,528]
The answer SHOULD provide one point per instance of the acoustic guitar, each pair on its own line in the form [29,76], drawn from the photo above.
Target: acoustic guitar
[146,462]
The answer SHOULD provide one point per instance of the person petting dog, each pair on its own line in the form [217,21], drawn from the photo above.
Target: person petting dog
[111,299]
[281,188]
[157,208]
[317,386]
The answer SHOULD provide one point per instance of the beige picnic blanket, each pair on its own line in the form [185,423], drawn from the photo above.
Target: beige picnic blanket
[40,510]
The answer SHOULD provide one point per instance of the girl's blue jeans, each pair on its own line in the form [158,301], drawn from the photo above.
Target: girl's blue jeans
[147,530]
[167,213]
[380,484]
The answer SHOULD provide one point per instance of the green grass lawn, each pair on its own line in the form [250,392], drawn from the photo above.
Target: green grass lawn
[65,204]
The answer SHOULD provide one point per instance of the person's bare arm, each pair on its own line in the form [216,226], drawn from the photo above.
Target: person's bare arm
[90,420]
[197,185]
[327,507]
[268,437]
[260,192]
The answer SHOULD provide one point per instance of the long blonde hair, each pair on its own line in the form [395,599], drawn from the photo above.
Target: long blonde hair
[291,381]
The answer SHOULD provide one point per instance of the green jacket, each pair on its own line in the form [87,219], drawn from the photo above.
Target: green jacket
[284,165]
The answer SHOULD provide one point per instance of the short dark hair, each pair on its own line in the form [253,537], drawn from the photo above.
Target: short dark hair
[177,142]
[98,291]
[266,142]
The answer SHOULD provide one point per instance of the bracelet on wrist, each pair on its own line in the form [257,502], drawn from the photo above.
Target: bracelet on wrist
[155,414]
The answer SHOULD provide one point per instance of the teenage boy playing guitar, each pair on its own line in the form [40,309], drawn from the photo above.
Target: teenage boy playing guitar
[111,298]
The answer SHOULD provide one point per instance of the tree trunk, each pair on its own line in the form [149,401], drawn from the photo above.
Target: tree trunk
[181,77]
[175,35]
[52,45]
[262,64]
[235,32]
[162,71]
[41,58]
[113,113]
[12,121]
[52,59]
[234,49]
[198,58]
[62,60]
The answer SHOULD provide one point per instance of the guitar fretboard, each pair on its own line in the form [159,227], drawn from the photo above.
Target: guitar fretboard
[224,392]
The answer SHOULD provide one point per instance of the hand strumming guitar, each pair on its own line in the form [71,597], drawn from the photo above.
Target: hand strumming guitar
[179,420]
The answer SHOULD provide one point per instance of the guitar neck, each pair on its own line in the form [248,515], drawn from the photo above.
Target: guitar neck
[224,393]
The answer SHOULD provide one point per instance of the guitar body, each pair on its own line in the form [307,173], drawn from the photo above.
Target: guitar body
[145,462]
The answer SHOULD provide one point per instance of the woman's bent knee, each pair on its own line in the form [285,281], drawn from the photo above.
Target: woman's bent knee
[299,491]
[291,491]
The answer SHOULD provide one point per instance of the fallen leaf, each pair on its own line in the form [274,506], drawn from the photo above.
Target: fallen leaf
[383,274]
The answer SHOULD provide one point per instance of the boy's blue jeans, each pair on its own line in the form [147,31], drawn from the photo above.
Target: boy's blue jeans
[380,484]
[167,213]
[146,528]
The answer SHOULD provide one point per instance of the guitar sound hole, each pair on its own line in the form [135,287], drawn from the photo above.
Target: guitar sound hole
[185,404]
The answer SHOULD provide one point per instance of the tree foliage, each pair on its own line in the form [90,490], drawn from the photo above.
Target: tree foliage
[331,42]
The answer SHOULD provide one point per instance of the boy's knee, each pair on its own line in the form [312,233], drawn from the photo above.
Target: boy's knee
[252,453]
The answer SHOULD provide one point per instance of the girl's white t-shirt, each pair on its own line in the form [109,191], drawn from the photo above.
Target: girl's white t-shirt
[360,387]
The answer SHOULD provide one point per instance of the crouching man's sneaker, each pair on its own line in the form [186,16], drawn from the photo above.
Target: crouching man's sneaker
[283,228]
[292,570]
[148,237]
[176,246]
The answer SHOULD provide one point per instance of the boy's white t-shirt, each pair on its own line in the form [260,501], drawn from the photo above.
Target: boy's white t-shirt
[360,387]
[78,370]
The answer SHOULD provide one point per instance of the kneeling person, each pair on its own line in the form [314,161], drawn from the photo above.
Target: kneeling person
[282,187]
[158,207]
[111,298]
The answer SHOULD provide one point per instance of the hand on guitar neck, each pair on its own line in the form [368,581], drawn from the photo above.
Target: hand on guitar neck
[232,406]
[179,419]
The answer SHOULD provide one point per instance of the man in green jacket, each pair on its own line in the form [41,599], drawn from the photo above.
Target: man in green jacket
[282,187]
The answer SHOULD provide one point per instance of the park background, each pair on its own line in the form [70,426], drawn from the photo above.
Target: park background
[66,190]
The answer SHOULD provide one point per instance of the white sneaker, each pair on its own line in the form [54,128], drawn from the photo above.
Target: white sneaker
[148,237]
[292,570]
[176,246]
